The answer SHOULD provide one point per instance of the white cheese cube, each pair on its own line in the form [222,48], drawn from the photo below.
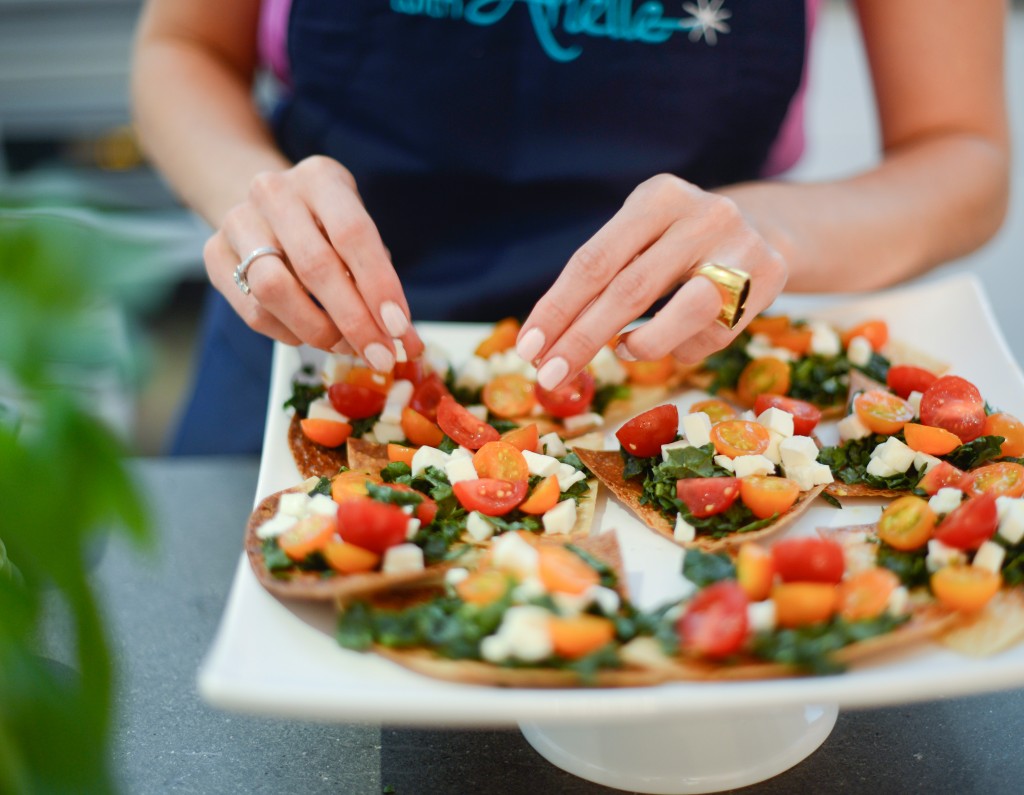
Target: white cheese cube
[323,409]
[523,635]
[803,476]
[511,553]
[456,575]
[530,588]
[773,453]
[797,451]
[820,474]
[748,416]
[437,361]
[388,432]
[923,462]
[428,456]
[760,346]
[824,339]
[568,476]
[859,351]
[322,505]
[541,465]
[684,532]
[880,469]
[606,599]
[744,465]
[940,555]
[561,519]
[1003,505]
[398,398]
[473,374]
[606,367]
[507,363]
[459,469]
[294,503]
[479,529]
[696,428]
[402,558]
[276,525]
[775,419]
[895,454]
[723,461]
[336,367]
[479,411]
[461,452]
[1011,526]
[899,601]
[761,616]
[945,500]
[408,510]
[678,444]
[412,527]
[580,421]
[552,444]
[914,399]
[989,556]
[850,427]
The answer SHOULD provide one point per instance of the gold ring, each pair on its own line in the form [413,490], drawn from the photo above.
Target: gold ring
[734,287]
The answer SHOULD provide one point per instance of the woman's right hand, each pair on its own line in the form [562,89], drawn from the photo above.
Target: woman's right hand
[334,287]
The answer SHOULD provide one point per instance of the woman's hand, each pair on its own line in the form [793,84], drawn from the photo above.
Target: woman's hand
[666,229]
[335,287]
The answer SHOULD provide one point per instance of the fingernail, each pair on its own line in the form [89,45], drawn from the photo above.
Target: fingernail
[394,318]
[623,353]
[530,345]
[379,357]
[552,373]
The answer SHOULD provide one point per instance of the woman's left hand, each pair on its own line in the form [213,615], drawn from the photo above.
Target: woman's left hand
[666,229]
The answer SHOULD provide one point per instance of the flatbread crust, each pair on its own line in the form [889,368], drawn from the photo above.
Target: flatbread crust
[312,459]
[367,456]
[314,586]
[608,467]
[839,489]
[996,627]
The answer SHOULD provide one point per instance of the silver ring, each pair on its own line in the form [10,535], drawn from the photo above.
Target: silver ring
[243,266]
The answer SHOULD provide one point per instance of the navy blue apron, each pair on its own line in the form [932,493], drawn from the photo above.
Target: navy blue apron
[491,138]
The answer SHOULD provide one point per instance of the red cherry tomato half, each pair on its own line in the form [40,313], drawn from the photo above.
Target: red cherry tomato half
[805,415]
[372,525]
[426,510]
[955,404]
[568,400]
[906,378]
[354,401]
[940,476]
[644,435]
[808,560]
[427,396]
[707,496]
[490,496]
[462,427]
[715,622]
[971,524]
[413,370]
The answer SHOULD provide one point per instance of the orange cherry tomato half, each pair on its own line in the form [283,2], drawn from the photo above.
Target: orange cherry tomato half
[371,379]
[649,373]
[502,461]
[966,588]
[1010,428]
[489,496]
[347,558]
[769,325]
[502,337]
[798,604]
[715,623]
[806,416]
[955,404]
[578,636]
[523,439]
[755,571]
[544,497]
[939,476]
[930,440]
[399,452]
[329,433]
[644,435]
[563,571]
[874,331]
[907,523]
[419,430]
[739,437]
[767,495]
[350,485]
[483,587]
[971,524]
[764,375]
[866,594]
[707,496]
[462,427]
[906,378]
[307,536]
[717,410]
[794,339]
[1001,479]
[882,412]
[569,399]
[809,559]
[509,396]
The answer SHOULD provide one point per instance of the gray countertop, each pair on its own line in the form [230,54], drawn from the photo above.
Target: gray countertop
[164,607]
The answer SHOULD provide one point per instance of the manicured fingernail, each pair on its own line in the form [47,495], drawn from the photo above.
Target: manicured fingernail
[552,373]
[379,357]
[394,318]
[531,343]
[623,353]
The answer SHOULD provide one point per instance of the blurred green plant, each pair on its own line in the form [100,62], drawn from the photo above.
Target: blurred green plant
[63,480]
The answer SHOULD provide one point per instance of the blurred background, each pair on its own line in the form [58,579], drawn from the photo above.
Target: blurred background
[66,141]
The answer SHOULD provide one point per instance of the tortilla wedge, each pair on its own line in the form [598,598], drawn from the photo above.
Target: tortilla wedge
[995,628]
[367,456]
[608,466]
[312,459]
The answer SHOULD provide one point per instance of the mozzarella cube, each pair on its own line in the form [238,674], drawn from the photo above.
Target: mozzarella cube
[940,555]
[895,454]
[428,456]
[473,374]
[412,527]
[914,399]
[850,427]
[748,416]
[294,503]
[435,359]
[810,475]
[606,367]
[479,411]
[923,462]
[323,409]
[388,432]
[511,553]
[760,346]
[507,363]
[744,465]
[606,599]
[899,601]
[578,422]
[1003,504]
[568,476]
[402,558]
[696,428]
[336,367]
[684,532]
[276,525]
[459,469]
[945,500]
[322,505]
[880,469]
[859,351]
[478,527]
[797,451]
[761,616]
[530,588]
[461,452]
[541,465]
[399,395]
[989,556]
[523,635]
[824,339]
[724,462]
[773,453]
[552,445]
[456,575]
[775,419]
[561,519]
[1011,526]
[667,448]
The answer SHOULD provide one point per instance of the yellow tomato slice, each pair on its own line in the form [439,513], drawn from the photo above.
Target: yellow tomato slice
[740,437]
[882,412]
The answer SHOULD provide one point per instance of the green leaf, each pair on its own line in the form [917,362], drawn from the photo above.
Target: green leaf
[975,453]
[706,568]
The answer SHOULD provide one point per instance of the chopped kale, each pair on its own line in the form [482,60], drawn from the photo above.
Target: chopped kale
[909,566]
[609,579]
[501,425]
[706,568]
[821,380]
[304,393]
[831,499]
[1013,563]
[447,444]
[274,557]
[849,462]
[877,368]
[394,471]
[975,453]
[728,363]
[393,496]
[606,394]
[323,486]
[811,648]
[362,427]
